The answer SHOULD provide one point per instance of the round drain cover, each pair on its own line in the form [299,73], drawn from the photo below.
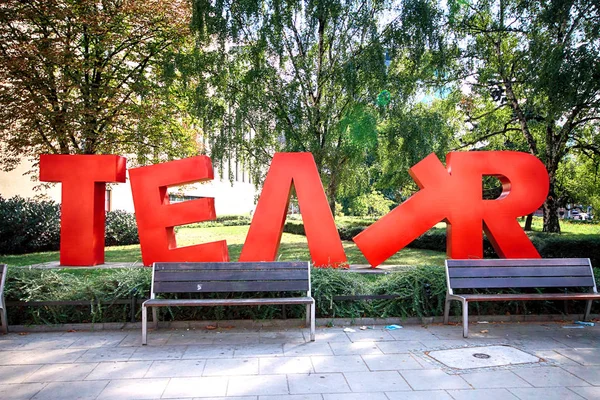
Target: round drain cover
[481,355]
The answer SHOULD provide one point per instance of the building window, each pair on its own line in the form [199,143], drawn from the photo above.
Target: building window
[108,200]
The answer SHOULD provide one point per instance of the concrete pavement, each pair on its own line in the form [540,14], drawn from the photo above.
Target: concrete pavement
[279,363]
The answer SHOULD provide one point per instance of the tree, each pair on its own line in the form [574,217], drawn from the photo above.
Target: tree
[533,68]
[84,77]
[301,76]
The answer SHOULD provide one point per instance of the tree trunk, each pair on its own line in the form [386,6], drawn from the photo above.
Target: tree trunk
[551,221]
[528,222]
[331,191]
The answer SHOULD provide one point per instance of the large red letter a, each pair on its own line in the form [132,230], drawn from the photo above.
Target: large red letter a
[265,231]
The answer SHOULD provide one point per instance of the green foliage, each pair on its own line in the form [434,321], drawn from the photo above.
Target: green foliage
[533,77]
[223,220]
[294,227]
[28,226]
[559,246]
[87,77]
[121,228]
[327,283]
[373,204]
[63,285]
[421,292]
[306,76]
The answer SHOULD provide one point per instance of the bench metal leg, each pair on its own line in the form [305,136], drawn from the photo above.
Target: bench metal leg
[588,310]
[155,317]
[308,319]
[144,324]
[447,311]
[312,322]
[3,321]
[465,307]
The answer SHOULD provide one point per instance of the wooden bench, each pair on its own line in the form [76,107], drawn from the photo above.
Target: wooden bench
[3,318]
[560,273]
[230,278]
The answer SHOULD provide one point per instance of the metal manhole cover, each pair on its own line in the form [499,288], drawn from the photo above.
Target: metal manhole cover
[480,357]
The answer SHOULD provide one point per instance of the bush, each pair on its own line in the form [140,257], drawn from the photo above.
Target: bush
[294,227]
[28,226]
[94,285]
[327,283]
[421,292]
[121,228]
[371,204]
[347,233]
[559,246]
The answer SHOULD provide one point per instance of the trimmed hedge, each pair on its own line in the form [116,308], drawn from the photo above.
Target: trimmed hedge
[29,226]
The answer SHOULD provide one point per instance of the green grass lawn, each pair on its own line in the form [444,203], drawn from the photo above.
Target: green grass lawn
[293,247]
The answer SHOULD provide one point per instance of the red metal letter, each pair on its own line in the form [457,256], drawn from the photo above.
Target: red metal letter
[455,195]
[156,217]
[265,231]
[83,179]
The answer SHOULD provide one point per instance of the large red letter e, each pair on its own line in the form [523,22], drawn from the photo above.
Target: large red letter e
[83,179]
[265,231]
[157,218]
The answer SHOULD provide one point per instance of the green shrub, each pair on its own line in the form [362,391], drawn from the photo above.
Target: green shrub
[121,228]
[28,226]
[224,220]
[294,227]
[327,283]
[573,246]
[347,233]
[96,286]
[370,204]
[421,292]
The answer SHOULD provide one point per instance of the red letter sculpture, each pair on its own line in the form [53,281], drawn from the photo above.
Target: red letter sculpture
[265,231]
[454,195]
[156,217]
[83,179]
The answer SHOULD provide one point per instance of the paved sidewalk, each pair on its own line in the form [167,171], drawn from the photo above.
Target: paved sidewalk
[371,364]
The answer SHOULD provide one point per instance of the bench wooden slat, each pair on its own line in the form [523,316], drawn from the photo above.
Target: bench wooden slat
[529,296]
[518,262]
[230,266]
[521,282]
[229,302]
[525,271]
[227,275]
[217,286]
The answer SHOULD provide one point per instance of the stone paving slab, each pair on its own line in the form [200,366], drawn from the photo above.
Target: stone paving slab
[279,364]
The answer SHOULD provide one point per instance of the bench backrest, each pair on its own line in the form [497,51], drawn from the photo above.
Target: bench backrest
[230,277]
[520,273]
